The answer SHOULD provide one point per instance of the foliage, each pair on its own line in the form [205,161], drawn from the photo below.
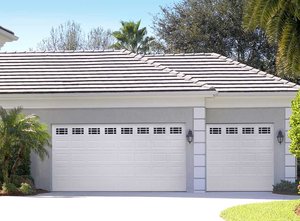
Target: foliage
[286,187]
[20,134]
[8,188]
[70,36]
[99,39]
[213,26]
[294,132]
[280,19]
[26,189]
[133,38]
[276,210]
[18,180]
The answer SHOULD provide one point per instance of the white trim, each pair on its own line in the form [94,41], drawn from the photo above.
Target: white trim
[199,149]
[248,101]
[96,101]
[7,37]
[290,165]
[257,94]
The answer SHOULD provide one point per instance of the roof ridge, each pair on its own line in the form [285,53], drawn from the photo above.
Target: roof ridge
[179,74]
[60,51]
[178,54]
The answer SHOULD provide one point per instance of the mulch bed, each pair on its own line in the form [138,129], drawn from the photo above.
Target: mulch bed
[37,192]
[286,193]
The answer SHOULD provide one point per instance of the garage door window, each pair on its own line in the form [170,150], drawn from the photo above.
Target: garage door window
[175,130]
[143,130]
[264,130]
[61,131]
[110,130]
[126,130]
[159,130]
[248,130]
[94,130]
[77,130]
[215,130]
[231,130]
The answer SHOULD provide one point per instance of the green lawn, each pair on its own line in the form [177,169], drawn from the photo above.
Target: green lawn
[271,211]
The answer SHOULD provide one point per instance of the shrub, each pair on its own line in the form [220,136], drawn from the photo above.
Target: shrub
[286,187]
[23,169]
[26,189]
[18,180]
[9,188]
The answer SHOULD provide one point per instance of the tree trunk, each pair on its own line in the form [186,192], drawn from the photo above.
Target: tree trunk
[17,161]
[5,170]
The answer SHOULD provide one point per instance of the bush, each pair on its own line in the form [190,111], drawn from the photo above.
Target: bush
[286,187]
[9,188]
[18,180]
[23,169]
[26,189]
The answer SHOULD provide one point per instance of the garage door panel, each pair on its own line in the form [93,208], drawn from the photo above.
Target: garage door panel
[238,161]
[248,183]
[119,162]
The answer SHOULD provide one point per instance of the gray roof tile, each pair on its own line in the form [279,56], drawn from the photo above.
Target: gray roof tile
[122,71]
[87,71]
[222,73]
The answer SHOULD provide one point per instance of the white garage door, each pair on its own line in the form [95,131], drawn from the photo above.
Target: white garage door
[240,157]
[139,157]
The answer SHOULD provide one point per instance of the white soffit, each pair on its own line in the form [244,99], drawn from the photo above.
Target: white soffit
[96,101]
[248,101]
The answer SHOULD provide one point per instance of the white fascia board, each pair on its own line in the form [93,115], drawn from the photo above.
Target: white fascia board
[255,94]
[7,37]
[249,101]
[40,101]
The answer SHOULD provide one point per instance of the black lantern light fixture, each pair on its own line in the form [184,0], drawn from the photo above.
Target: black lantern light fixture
[280,137]
[190,136]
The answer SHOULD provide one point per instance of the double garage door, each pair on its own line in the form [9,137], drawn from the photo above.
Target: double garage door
[240,157]
[121,157]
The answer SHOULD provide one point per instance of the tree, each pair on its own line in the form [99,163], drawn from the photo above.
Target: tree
[280,19]
[132,38]
[19,135]
[70,36]
[294,132]
[99,39]
[66,36]
[213,26]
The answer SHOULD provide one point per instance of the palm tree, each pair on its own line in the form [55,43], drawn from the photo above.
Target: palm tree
[132,38]
[19,135]
[280,19]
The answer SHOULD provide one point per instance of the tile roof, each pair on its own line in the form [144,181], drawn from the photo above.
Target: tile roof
[122,71]
[87,71]
[222,73]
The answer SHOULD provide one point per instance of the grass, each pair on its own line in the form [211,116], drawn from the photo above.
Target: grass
[270,211]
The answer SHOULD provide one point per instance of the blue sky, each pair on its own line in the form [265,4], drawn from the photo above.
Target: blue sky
[31,20]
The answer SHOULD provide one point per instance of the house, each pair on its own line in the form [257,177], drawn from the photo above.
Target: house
[173,122]
[6,36]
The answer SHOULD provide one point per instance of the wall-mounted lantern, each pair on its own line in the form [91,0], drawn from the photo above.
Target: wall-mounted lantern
[280,137]
[190,136]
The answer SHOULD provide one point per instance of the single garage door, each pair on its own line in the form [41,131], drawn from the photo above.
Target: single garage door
[119,157]
[240,157]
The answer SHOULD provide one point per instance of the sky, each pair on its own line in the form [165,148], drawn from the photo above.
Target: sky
[32,20]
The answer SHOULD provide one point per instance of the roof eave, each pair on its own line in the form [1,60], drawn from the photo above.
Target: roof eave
[206,93]
[7,36]
[259,93]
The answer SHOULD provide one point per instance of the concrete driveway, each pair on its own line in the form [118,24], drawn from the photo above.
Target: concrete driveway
[106,206]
